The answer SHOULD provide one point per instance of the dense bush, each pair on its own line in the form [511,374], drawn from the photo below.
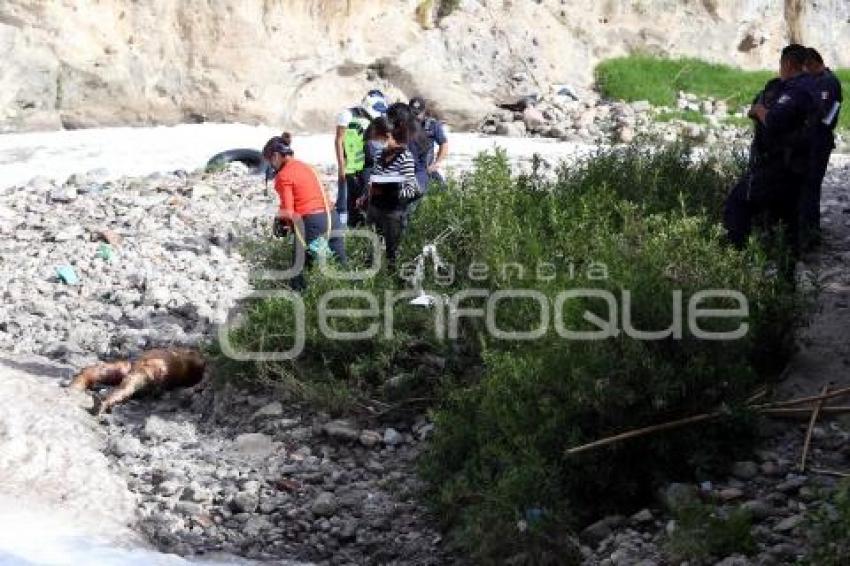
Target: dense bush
[636,220]
[829,530]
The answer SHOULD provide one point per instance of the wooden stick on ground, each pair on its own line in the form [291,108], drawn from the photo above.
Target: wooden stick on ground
[811,429]
[803,400]
[825,472]
[643,432]
[763,408]
[792,412]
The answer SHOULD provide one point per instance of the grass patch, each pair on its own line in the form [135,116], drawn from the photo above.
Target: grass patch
[636,221]
[659,80]
[705,534]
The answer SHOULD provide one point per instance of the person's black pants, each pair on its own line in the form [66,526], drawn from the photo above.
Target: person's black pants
[772,192]
[823,142]
[390,225]
[347,195]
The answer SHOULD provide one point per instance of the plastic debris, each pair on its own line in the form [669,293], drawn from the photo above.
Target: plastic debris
[105,252]
[67,275]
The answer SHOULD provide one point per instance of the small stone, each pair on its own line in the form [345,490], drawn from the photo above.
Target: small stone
[791,485]
[245,502]
[533,119]
[597,532]
[759,510]
[369,438]
[392,437]
[64,194]
[511,129]
[255,526]
[125,446]
[324,505]
[157,428]
[110,237]
[626,134]
[197,494]
[188,508]
[745,470]
[254,444]
[269,411]
[641,106]
[730,494]
[348,532]
[201,191]
[789,524]
[341,430]
[642,517]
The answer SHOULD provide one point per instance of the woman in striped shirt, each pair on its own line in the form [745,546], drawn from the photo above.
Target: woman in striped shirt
[392,187]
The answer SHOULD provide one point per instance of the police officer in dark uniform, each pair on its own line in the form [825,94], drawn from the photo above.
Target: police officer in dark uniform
[780,157]
[829,97]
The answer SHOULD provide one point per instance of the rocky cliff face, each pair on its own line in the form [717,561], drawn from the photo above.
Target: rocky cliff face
[294,63]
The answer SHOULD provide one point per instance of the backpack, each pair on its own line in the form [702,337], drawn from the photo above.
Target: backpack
[354,141]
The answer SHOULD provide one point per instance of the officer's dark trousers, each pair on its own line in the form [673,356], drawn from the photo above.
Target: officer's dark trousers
[347,195]
[823,143]
[771,193]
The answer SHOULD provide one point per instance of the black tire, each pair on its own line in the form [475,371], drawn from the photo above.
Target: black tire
[250,157]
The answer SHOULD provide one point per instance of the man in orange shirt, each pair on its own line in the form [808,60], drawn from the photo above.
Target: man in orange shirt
[303,197]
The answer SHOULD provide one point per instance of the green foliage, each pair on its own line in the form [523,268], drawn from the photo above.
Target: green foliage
[636,220]
[829,530]
[446,7]
[705,534]
[651,218]
[658,80]
[684,115]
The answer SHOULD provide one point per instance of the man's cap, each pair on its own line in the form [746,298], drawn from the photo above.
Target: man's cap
[375,104]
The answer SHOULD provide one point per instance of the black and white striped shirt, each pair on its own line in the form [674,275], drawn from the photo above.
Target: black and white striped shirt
[399,164]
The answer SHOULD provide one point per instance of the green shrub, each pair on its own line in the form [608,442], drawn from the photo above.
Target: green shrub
[638,220]
[829,530]
[650,217]
[705,534]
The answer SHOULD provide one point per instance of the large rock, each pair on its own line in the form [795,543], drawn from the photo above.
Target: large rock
[78,64]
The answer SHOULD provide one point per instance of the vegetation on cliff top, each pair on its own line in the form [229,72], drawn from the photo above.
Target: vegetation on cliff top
[659,80]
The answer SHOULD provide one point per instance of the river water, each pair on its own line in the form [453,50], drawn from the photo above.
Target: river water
[115,152]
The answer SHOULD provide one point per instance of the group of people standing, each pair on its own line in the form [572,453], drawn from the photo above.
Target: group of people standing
[795,118]
[388,156]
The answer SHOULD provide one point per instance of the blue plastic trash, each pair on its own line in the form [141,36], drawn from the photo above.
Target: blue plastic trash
[67,275]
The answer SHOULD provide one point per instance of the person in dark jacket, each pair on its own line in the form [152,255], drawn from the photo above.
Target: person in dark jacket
[780,160]
[829,98]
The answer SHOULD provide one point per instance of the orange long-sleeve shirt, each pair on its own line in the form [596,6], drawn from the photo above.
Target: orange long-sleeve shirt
[299,189]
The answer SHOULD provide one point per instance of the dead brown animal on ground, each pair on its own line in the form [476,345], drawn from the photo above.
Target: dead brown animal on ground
[154,370]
